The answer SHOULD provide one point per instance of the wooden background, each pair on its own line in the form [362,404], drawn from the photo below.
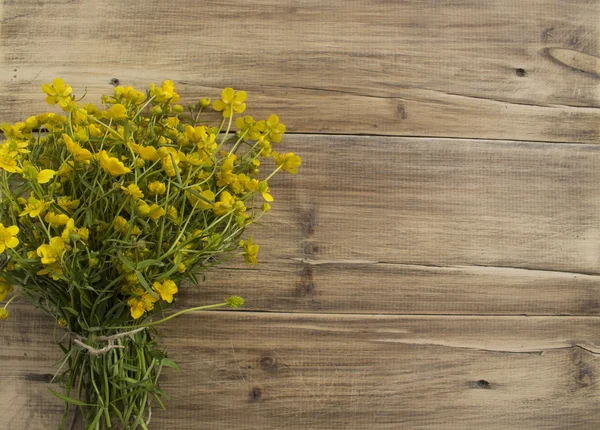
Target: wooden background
[436,262]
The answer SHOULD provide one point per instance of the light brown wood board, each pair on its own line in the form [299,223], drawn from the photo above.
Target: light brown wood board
[397,266]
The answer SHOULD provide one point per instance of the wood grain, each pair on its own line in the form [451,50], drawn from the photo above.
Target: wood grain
[395,271]
[413,68]
[405,225]
[267,371]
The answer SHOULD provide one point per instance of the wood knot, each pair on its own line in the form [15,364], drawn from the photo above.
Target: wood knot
[520,72]
[268,363]
[255,394]
[39,377]
[576,356]
[401,111]
[306,285]
[115,82]
[585,377]
[482,383]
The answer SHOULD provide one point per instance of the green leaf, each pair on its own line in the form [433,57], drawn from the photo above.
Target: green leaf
[170,363]
[69,399]
[126,261]
[148,263]
[70,310]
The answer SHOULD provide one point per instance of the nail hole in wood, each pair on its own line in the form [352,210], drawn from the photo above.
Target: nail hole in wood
[520,72]
[255,394]
[482,383]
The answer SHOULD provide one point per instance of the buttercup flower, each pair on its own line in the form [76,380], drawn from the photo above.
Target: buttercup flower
[133,191]
[289,162]
[157,187]
[166,290]
[8,237]
[57,92]
[231,102]
[111,164]
[250,251]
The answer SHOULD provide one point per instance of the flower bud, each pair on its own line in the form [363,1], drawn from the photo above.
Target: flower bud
[204,102]
[235,302]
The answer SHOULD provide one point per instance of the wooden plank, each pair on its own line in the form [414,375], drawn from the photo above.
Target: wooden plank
[268,371]
[382,288]
[499,70]
[435,226]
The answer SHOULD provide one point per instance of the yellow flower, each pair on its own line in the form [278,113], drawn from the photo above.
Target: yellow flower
[181,268]
[16,132]
[122,226]
[199,198]
[94,130]
[145,152]
[8,237]
[170,159]
[31,172]
[79,153]
[112,165]
[56,220]
[67,203]
[274,127]
[116,112]
[136,307]
[149,301]
[51,253]
[173,214]
[225,175]
[57,92]
[247,127]
[129,94]
[250,251]
[80,233]
[142,208]
[156,212]
[157,187]
[35,207]
[166,289]
[165,93]
[264,189]
[8,158]
[65,170]
[226,203]
[231,102]
[5,288]
[289,162]
[133,191]
[45,175]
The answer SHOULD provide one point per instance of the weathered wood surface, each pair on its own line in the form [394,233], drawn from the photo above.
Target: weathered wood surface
[500,225]
[405,225]
[248,370]
[494,70]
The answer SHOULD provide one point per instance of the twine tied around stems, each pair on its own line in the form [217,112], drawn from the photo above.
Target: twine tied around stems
[108,339]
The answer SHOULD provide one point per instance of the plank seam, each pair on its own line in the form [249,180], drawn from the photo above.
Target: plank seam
[436,266]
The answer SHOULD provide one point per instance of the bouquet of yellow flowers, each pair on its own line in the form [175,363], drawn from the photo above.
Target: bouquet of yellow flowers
[105,212]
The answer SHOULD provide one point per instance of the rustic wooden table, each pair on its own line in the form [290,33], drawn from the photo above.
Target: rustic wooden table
[436,262]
